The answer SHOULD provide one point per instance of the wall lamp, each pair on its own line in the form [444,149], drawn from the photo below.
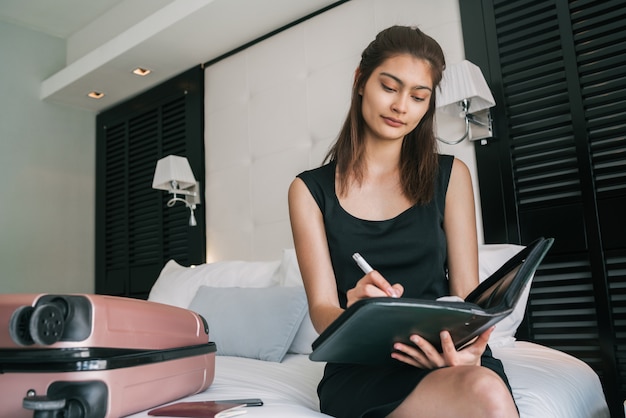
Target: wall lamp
[173,174]
[465,93]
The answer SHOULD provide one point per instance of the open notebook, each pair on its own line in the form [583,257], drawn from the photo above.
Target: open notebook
[366,331]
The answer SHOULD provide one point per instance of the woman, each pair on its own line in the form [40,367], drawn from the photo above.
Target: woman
[388,195]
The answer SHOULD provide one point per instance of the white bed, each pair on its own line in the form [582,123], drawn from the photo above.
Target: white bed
[263,345]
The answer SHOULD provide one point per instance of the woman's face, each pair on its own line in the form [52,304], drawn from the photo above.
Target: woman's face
[395,97]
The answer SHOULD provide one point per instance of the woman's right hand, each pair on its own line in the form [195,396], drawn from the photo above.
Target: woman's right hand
[372,285]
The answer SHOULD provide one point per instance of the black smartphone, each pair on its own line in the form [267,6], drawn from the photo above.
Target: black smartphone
[247,402]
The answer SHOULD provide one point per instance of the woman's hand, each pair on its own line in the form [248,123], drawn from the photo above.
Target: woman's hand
[372,285]
[425,356]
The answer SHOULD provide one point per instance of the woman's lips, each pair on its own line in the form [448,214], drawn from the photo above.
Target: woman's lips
[393,122]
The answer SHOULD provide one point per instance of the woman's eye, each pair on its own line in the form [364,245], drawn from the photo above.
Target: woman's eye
[387,88]
[418,99]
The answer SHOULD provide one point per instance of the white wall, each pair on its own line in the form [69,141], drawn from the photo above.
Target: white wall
[47,166]
[273,110]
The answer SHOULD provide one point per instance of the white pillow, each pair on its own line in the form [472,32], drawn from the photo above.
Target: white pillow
[258,323]
[490,258]
[177,285]
[303,342]
[289,271]
[289,276]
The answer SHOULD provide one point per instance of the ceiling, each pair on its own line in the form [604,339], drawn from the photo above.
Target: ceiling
[165,36]
[59,18]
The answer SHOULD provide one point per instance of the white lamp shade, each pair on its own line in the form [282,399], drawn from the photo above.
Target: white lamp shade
[460,81]
[173,168]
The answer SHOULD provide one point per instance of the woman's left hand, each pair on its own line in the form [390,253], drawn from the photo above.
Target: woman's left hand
[425,356]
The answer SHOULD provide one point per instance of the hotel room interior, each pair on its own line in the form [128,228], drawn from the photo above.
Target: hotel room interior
[252,92]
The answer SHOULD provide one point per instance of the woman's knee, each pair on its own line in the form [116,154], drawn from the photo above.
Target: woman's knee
[485,390]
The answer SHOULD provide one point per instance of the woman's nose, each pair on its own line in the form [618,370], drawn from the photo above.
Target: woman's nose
[400,103]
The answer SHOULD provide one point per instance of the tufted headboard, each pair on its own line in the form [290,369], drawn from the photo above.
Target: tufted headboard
[274,109]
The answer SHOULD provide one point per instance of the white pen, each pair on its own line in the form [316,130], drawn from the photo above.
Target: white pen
[360,261]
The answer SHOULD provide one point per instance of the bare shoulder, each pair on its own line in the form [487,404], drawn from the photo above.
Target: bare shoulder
[460,175]
[459,168]
[297,189]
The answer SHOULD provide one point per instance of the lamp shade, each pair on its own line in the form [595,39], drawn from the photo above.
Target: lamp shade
[173,168]
[460,81]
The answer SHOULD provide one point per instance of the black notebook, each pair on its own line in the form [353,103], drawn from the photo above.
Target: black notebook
[366,331]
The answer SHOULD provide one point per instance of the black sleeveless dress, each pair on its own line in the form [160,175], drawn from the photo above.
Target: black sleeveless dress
[409,249]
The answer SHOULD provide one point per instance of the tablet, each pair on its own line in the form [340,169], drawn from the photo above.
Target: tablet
[366,331]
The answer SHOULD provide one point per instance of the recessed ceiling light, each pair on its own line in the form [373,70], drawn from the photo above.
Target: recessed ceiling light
[141,71]
[95,94]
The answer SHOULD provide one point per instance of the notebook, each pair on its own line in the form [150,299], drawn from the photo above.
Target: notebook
[366,331]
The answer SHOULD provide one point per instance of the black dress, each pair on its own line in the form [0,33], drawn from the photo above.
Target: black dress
[409,249]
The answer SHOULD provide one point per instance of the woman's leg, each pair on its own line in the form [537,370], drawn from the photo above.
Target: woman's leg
[461,391]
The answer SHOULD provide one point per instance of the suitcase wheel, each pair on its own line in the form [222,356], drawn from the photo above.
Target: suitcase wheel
[42,324]
[19,325]
[46,324]
[45,407]
[82,399]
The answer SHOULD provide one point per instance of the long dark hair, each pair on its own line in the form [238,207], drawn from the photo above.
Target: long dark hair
[418,157]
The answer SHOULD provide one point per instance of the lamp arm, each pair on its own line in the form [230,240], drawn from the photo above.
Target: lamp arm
[182,191]
[473,119]
[175,199]
[458,141]
[190,205]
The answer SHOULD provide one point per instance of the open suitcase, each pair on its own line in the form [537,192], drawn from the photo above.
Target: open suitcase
[84,356]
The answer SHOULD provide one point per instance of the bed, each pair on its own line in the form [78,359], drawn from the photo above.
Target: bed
[258,318]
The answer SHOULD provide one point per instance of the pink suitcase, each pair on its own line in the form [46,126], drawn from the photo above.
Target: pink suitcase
[83,320]
[79,356]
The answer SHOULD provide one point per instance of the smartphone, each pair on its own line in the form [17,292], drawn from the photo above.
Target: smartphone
[247,402]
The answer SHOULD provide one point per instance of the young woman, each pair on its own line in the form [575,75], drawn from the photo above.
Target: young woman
[387,194]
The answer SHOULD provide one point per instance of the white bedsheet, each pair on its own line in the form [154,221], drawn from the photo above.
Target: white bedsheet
[545,383]
[549,383]
[288,389]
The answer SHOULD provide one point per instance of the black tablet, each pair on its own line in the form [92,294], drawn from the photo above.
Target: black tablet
[366,331]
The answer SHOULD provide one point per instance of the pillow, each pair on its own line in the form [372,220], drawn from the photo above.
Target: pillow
[303,342]
[289,275]
[177,285]
[289,271]
[490,258]
[258,323]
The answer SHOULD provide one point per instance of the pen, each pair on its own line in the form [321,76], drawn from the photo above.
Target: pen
[360,261]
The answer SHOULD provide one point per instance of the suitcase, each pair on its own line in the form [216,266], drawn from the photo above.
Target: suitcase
[84,356]
[83,320]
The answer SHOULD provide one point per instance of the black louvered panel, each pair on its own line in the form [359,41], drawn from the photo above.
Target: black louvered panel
[600,40]
[175,219]
[558,71]
[562,308]
[115,210]
[616,267]
[174,127]
[537,104]
[143,151]
[136,233]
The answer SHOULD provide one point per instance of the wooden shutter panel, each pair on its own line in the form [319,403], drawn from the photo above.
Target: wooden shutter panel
[558,73]
[136,232]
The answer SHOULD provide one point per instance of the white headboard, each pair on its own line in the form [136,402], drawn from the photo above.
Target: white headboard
[274,109]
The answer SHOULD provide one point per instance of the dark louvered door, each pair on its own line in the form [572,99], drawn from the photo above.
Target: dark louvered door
[136,233]
[557,166]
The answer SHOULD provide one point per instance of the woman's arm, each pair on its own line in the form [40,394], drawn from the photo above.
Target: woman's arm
[309,236]
[460,228]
